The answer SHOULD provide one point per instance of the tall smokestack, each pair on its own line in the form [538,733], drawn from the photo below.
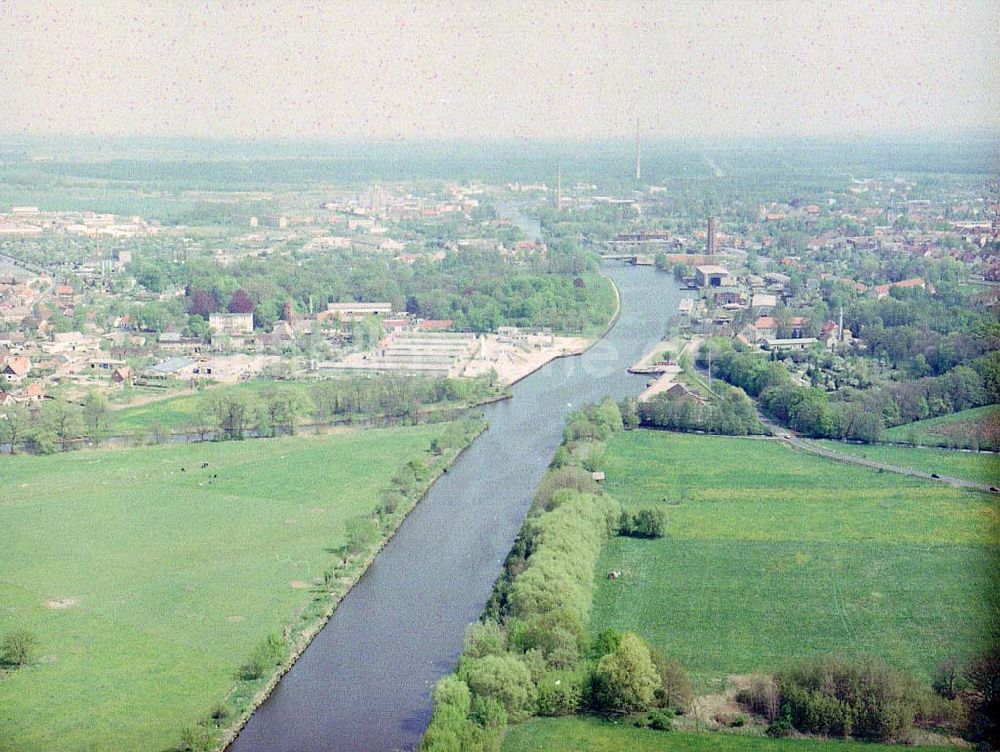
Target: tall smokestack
[710,249]
[638,153]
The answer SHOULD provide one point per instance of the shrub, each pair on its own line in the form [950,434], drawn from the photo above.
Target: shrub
[489,713]
[560,693]
[941,714]
[197,739]
[660,720]
[220,713]
[390,500]
[675,689]
[643,523]
[817,713]
[452,691]
[625,680]
[450,730]
[605,642]
[263,659]
[483,638]
[782,725]
[865,699]
[572,477]
[504,678]
[761,697]
[18,647]
[731,720]
[983,675]
[947,679]
[559,635]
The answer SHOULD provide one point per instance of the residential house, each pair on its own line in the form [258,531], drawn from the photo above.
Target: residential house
[15,369]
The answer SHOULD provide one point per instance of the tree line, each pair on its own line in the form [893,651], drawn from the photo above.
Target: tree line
[232,413]
[854,414]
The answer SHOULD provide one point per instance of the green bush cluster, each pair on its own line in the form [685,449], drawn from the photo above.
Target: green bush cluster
[566,543]
[861,698]
[643,523]
[18,647]
[731,413]
[866,699]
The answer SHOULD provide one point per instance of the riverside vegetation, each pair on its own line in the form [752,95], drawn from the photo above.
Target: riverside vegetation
[595,614]
[263,407]
[207,611]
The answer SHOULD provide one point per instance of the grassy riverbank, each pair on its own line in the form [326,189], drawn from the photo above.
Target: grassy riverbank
[772,555]
[149,579]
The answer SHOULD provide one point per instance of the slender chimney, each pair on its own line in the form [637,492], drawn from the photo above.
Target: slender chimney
[710,246]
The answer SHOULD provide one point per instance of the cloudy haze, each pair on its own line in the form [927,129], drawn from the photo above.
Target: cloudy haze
[473,70]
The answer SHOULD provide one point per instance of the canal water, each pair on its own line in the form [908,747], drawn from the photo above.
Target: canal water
[365,681]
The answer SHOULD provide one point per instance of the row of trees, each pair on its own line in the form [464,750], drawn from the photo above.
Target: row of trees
[531,654]
[53,425]
[234,413]
[479,290]
[860,415]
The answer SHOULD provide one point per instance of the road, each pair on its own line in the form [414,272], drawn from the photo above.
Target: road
[785,435]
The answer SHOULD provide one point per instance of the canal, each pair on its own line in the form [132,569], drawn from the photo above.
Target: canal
[365,681]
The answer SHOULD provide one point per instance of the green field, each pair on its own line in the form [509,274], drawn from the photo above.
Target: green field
[586,734]
[773,555]
[980,425]
[978,466]
[166,578]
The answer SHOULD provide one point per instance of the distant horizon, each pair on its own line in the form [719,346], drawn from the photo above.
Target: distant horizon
[513,69]
[930,136]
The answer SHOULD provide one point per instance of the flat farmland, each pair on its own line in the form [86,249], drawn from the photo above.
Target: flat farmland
[148,579]
[590,734]
[772,555]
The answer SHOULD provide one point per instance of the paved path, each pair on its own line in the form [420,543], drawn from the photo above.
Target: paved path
[810,446]
[787,436]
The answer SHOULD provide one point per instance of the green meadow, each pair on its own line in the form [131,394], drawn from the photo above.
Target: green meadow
[148,579]
[773,555]
[978,466]
[589,734]
[980,425]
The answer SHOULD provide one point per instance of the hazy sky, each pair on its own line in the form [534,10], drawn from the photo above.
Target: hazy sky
[496,69]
